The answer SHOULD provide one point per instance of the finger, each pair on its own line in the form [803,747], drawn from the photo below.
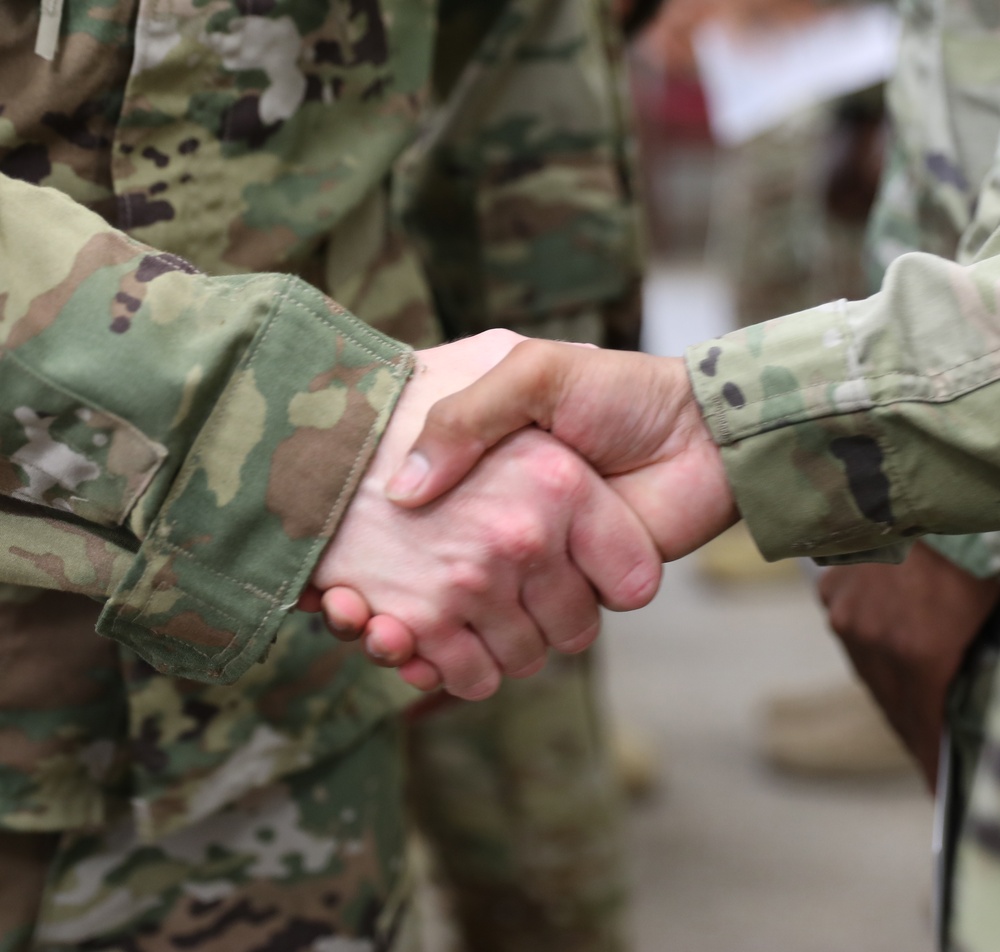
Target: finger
[388,642]
[311,600]
[521,390]
[829,585]
[512,637]
[613,549]
[563,605]
[421,675]
[467,668]
[345,611]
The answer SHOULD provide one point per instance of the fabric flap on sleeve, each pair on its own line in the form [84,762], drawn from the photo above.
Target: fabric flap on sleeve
[262,490]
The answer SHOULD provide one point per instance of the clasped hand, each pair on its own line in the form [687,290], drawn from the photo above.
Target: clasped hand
[484,541]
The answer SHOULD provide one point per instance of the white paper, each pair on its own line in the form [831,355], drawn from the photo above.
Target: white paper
[754,80]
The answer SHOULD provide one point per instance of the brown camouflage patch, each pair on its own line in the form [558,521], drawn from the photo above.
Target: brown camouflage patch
[49,564]
[189,626]
[308,459]
[102,250]
[252,249]
[521,218]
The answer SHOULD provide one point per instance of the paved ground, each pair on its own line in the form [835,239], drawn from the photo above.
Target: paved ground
[729,857]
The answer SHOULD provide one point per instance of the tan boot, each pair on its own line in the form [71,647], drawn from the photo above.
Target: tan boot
[635,762]
[831,732]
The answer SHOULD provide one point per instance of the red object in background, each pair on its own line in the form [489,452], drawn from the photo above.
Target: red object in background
[673,105]
[674,132]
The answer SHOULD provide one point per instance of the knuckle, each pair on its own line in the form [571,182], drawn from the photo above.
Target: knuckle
[521,539]
[533,352]
[839,619]
[847,627]
[446,418]
[469,576]
[558,473]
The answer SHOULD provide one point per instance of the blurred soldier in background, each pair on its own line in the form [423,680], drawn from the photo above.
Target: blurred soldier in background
[787,228]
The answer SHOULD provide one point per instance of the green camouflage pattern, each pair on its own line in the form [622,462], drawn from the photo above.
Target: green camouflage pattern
[520,799]
[769,231]
[516,795]
[316,861]
[223,537]
[528,216]
[207,141]
[851,427]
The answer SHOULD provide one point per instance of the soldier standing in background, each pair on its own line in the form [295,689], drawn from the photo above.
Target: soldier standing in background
[519,795]
[787,229]
[144,811]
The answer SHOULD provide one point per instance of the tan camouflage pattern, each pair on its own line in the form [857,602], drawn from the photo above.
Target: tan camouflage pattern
[227,394]
[226,137]
[521,801]
[315,862]
[856,425]
[768,227]
[528,216]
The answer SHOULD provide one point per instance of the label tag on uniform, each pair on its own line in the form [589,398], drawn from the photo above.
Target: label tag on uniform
[47,39]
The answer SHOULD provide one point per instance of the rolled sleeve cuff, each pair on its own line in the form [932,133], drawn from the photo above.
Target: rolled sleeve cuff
[262,490]
[811,469]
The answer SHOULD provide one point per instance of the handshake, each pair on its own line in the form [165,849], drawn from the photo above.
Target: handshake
[494,519]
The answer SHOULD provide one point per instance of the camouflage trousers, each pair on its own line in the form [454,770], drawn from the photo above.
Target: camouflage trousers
[771,232]
[521,804]
[515,796]
[314,859]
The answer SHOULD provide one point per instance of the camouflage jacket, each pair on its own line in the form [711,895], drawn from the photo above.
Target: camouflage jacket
[857,413]
[178,445]
[857,425]
[183,442]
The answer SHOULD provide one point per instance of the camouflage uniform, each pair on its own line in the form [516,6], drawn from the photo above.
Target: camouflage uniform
[189,484]
[852,426]
[518,795]
[768,227]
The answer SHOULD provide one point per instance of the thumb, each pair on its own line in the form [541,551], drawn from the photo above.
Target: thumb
[523,389]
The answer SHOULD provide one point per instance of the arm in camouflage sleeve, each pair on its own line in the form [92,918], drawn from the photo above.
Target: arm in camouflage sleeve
[180,445]
[185,446]
[856,425]
[842,429]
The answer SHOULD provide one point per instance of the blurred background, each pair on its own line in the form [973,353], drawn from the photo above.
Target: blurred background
[770,808]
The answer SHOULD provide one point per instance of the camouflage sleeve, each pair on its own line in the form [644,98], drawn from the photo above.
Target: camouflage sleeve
[179,445]
[854,426]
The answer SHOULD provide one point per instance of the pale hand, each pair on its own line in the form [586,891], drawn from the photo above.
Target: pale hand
[634,418]
[500,568]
